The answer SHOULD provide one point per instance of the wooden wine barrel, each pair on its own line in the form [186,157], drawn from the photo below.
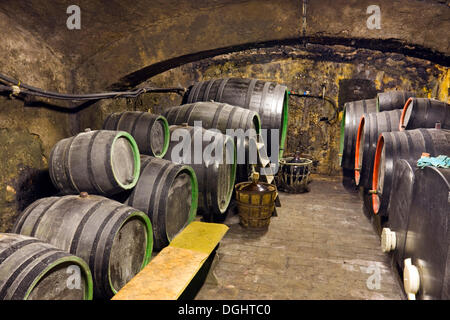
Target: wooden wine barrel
[168,193]
[377,221]
[221,116]
[114,239]
[349,127]
[424,113]
[215,177]
[214,115]
[408,145]
[99,162]
[270,100]
[34,270]
[370,127]
[391,100]
[150,131]
[398,210]
[427,239]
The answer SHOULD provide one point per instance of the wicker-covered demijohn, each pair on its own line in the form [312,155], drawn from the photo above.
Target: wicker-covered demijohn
[256,202]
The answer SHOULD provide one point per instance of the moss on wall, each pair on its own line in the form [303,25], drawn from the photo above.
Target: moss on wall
[26,137]
[27,133]
[22,153]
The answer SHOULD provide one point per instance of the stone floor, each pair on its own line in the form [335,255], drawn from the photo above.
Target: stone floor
[320,246]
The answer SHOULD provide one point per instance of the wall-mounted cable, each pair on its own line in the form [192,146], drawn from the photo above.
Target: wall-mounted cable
[16,88]
[307,94]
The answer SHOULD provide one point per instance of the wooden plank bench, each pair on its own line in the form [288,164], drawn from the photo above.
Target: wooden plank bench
[170,272]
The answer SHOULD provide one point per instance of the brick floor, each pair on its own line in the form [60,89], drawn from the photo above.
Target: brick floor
[321,246]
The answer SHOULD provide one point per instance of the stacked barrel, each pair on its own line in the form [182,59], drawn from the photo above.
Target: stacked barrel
[166,192]
[409,206]
[83,243]
[234,112]
[31,269]
[268,99]
[131,187]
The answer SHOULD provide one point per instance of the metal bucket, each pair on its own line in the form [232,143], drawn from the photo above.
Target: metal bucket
[294,177]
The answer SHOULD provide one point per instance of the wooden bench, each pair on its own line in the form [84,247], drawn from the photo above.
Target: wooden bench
[170,272]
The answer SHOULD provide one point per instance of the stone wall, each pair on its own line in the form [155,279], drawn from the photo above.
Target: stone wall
[126,41]
[176,42]
[27,133]
[346,73]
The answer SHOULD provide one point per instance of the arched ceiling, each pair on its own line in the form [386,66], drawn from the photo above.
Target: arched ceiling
[121,43]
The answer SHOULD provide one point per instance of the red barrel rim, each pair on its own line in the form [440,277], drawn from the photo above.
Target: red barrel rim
[401,126]
[375,197]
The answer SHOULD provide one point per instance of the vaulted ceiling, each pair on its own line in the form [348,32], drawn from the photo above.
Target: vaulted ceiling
[123,42]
